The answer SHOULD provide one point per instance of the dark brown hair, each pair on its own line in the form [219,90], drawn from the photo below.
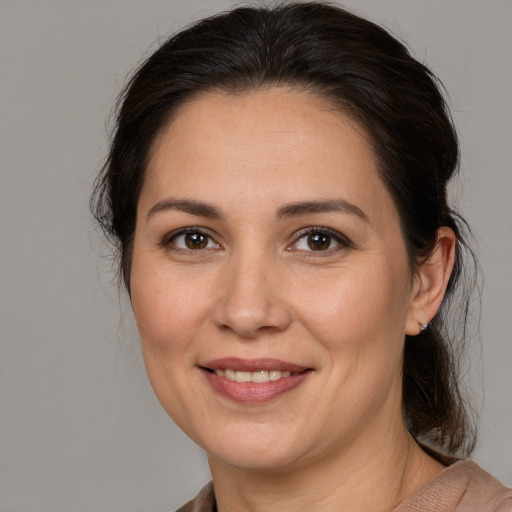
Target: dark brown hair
[368,74]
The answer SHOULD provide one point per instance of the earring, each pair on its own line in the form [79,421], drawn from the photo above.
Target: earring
[423,327]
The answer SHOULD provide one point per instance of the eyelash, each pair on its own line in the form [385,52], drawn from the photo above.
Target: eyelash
[168,241]
[341,240]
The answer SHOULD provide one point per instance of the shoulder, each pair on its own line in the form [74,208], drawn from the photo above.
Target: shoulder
[462,487]
[203,502]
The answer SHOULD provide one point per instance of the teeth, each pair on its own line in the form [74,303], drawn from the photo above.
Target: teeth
[260,376]
[257,377]
[275,375]
[243,376]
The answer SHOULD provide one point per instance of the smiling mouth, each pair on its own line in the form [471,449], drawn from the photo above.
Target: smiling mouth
[253,381]
[258,377]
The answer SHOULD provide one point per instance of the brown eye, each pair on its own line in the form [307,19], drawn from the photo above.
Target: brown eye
[196,240]
[191,241]
[319,241]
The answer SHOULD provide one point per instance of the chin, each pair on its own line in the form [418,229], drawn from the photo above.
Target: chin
[256,459]
[257,448]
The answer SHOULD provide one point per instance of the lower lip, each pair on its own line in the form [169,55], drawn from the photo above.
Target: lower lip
[251,392]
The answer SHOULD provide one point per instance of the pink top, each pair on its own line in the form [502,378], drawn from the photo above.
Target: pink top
[462,487]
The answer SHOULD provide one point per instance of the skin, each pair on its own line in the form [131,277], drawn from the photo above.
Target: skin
[257,290]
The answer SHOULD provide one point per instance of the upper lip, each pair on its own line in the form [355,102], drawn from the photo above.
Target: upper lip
[253,365]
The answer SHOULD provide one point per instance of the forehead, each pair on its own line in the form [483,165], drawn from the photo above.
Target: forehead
[269,115]
[274,145]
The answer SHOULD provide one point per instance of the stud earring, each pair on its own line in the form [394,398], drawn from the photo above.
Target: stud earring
[423,327]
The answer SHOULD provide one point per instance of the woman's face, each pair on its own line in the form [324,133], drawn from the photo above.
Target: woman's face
[270,281]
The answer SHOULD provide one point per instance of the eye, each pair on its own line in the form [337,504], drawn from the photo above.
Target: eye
[190,240]
[320,240]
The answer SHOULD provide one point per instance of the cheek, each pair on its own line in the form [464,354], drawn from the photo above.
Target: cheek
[360,323]
[167,308]
[355,308]
[169,315]
[359,318]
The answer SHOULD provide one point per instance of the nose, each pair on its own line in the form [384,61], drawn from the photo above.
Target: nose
[250,301]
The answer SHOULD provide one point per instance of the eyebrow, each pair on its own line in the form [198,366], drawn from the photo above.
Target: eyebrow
[188,206]
[289,210]
[328,206]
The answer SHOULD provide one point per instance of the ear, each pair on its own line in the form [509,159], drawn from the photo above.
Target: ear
[430,282]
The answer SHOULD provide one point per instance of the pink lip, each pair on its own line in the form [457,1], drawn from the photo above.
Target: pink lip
[250,392]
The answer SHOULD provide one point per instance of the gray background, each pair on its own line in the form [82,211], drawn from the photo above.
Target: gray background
[80,429]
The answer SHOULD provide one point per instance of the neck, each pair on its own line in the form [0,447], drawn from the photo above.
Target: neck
[374,474]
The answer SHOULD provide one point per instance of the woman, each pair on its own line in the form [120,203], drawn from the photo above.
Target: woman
[277,189]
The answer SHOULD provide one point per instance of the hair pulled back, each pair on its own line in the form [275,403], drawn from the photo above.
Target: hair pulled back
[367,74]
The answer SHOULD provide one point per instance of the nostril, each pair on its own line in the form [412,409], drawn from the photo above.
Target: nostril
[251,320]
